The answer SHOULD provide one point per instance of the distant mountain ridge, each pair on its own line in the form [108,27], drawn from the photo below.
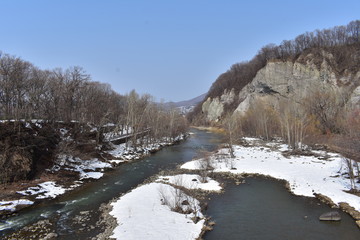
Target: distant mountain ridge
[186,105]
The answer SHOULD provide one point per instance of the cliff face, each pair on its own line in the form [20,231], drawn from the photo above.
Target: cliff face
[214,107]
[290,80]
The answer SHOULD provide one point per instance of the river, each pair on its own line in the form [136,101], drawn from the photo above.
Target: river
[256,210]
[113,184]
[263,209]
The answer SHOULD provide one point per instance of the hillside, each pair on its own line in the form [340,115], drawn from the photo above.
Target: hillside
[329,58]
[306,90]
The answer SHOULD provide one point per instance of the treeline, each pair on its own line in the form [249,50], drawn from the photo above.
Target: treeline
[321,117]
[333,39]
[27,92]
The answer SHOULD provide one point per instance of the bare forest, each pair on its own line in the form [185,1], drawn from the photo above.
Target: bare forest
[27,92]
[36,104]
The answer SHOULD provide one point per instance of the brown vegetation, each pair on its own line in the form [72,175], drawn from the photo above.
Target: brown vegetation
[25,150]
[312,121]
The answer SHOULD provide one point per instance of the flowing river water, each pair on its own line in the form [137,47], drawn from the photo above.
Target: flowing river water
[260,209]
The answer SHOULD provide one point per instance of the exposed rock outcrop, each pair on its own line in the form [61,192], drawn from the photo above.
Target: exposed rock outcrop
[330,216]
[214,108]
[294,80]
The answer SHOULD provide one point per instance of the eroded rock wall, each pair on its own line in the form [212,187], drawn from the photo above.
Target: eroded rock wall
[294,80]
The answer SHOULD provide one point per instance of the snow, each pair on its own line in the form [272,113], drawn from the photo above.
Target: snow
[128,153]
[116,161]
[44,190]
[141,214]
[192,181]
[250,139]
[109,125]
[11,205]
[86,168]
[93,175]
[63,131]
[306,174]
[118,150]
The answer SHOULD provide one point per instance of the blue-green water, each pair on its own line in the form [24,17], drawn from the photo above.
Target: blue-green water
[263,209]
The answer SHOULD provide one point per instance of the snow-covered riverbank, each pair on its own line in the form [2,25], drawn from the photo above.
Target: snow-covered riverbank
[324,173]
[142,213]
[86,169]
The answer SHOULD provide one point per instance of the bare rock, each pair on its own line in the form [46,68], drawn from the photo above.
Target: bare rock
[330,216]
[325,199]
[358,223]
[50,236]
[350,210]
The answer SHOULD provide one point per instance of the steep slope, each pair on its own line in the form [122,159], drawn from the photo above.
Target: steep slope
[293,70]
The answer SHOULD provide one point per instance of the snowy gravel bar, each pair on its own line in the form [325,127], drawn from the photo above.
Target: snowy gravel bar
[306,175]
[142,214]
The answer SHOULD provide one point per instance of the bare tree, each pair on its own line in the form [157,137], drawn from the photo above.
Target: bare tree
[232,127]
[294,122]
[325,106]
[204,165]
[350,172]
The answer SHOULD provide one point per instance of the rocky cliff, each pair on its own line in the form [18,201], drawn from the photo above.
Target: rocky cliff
[315,70]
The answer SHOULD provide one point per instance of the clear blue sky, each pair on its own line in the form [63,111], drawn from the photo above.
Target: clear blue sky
[171,49]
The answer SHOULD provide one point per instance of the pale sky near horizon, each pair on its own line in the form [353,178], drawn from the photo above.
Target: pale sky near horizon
[171,49]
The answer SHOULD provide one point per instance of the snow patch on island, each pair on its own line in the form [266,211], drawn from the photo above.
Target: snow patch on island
[146,213]
[192,181]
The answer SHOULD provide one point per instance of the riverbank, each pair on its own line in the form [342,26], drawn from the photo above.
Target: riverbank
[317,174]
[258,158]
[69,173]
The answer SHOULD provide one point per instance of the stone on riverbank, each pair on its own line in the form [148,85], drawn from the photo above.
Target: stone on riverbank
[350,210]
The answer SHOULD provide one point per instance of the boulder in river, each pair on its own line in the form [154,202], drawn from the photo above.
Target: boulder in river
[330,216]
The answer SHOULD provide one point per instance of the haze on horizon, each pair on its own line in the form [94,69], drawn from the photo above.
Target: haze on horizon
[173,50]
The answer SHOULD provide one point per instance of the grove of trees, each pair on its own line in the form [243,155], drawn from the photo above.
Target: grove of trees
[27,92]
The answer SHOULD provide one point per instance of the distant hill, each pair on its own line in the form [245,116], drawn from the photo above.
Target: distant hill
[187,105]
